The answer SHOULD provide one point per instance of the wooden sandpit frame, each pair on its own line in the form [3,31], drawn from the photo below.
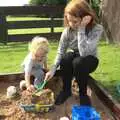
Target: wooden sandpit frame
[101,93]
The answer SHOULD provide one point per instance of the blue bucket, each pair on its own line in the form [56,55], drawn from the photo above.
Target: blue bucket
[84,113]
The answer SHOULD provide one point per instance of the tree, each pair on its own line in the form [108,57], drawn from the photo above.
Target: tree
[111,20]
[95,4]
[48,2]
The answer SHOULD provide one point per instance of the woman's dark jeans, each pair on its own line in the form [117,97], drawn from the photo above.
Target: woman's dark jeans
[72,65]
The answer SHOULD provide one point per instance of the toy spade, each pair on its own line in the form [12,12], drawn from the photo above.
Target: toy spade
[41,85]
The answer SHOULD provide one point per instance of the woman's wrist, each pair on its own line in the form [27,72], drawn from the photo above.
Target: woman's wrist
[53,69]
[81,29]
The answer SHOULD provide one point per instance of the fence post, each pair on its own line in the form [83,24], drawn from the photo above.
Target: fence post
[3,29]
[52,28]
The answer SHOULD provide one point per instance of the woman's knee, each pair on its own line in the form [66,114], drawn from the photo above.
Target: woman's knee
[76,63]
[92,63]
[67,59]
[85,65]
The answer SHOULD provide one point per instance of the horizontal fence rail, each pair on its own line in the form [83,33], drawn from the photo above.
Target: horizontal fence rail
[52,13]
[50,10]
[34,24]
[28,37]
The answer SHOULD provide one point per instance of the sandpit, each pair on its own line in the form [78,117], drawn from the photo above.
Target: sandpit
[10,109]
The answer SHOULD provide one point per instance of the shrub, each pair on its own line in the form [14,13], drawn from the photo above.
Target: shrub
[48,2]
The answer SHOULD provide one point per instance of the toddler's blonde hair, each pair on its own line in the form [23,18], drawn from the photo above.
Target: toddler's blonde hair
[39,43]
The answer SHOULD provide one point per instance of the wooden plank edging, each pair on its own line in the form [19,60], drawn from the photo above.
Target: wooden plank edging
[106,98]
[101,93]
[11,77]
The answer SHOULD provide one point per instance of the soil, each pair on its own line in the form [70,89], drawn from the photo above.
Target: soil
[10,108]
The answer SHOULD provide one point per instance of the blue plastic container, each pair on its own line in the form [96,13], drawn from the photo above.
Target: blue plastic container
[84,113]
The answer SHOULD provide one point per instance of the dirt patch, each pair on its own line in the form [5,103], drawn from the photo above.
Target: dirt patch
[10,108]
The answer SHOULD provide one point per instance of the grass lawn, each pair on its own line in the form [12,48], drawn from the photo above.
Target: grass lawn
[107,73]
[12,55]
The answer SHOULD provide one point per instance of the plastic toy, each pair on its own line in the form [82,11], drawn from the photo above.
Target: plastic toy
[41,85]
[11,92]
[37,108]
[42,100]
[84,113]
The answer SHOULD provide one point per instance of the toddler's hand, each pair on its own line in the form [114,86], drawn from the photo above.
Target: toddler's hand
[31,88]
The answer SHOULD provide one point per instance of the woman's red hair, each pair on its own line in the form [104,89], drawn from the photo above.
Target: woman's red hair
[79,8]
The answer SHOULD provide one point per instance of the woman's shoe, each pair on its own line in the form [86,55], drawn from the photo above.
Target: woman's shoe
[85,100]
[62,97]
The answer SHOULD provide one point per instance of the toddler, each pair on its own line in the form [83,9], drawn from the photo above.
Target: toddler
[35,62]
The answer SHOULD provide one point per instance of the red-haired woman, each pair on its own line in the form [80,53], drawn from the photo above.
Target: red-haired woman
[77,51]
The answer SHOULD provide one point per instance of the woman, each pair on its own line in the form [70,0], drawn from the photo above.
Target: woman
[80,37]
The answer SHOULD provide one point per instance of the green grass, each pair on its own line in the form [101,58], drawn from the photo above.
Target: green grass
[13,54]
[28,18]
[107,72]
[33,30]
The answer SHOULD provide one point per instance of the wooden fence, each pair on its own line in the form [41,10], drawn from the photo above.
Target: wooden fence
[52,12]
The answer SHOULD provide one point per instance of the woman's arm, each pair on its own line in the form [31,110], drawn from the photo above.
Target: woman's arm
[63,44]
[88,43]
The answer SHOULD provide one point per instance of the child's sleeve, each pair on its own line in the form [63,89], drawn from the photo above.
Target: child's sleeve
[28,66]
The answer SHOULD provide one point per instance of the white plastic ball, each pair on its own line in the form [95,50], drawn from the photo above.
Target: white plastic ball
[64,118]
[11,91]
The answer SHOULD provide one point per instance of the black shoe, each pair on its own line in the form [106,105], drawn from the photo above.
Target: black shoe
[85,100]
[62,97]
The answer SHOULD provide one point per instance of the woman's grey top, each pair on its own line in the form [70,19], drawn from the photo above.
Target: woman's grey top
[86,44]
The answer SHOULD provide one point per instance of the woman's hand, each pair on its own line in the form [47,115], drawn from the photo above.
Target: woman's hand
[45,70]
[48,75]
[85,21]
